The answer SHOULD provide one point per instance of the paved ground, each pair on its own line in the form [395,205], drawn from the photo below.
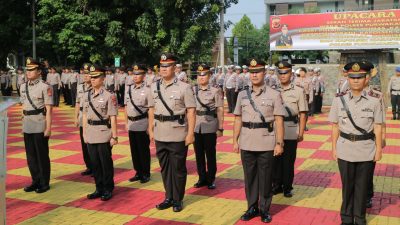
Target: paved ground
[317,184]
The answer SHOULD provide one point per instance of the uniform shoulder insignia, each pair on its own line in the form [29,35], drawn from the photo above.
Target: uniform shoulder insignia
[341,94]
[374,94]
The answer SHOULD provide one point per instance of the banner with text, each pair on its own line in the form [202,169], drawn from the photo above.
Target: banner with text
[378,29]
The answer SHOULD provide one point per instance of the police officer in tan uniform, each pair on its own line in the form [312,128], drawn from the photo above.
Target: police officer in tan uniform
[394,91]
[137,99]
[356,141]
[21,78]
[258,133]
[37,101]
[209,126]
[343,84]
[81,92]
[171,124]
[100,111]
[296,108]
[231,88]
[73,84]
[150,77]
[110,80]
[54,80]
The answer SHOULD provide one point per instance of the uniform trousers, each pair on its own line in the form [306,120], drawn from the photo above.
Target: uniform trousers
[140,149]
[85,151]
[102,165]
[73,93]
[370,192]
[284,166]
[205,148]
[354,176]
[37,155]
[121,94]
[56,97]
[172,158]
[231,97]
[257,167]
[67,94]
[395,100]
[317,103]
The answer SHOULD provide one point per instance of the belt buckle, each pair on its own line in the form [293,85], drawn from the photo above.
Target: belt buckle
[162,118]
[252,125]
[352,137]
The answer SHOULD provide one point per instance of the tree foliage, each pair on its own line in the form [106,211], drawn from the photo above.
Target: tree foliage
[253,42]
[75,31]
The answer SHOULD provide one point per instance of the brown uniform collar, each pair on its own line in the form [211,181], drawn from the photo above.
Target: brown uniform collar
[289,87]
[206,89]
[34,82]
[262,89]
[363,94]
[174,82]
[138,87]
[100,92]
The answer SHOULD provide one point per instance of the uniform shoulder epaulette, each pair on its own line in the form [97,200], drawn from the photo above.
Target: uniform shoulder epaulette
[341,94]
[374,94]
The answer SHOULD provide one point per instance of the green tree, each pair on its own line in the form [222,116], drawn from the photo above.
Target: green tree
[253,42]
[99,30]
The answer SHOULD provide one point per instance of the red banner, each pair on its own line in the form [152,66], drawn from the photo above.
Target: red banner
[379,29]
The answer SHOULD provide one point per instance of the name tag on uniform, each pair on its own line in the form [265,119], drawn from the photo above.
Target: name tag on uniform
[101,100]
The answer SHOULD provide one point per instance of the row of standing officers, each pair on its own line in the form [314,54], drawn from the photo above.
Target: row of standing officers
[269,123]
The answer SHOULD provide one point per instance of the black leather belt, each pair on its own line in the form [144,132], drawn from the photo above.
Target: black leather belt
[163,118]
[355,137]
[136,118]
[294,119]
[251,125]
[208,113]
[34,112]
[98,122]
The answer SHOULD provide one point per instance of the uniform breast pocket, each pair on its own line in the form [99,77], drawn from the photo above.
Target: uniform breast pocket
[140,102]
[103,108]
[267,107]
[246,106]
[343,118]
[367,118]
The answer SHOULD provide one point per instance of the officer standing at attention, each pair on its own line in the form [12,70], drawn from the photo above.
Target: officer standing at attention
[172,118]
[231,88]
[296,108]
[109,82]
[121,76]
[258,133]
[137,99]
[5,82]
[21,78]
[181,75]
[81,92]
[100,109]
[209,126]
[37,101]
[150,77]
[356,141]
[343,84]
[65,76]
[394,91]
[73,81]
[53,79]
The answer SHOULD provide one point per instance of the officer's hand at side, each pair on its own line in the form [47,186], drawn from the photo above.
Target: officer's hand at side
[334,156]
[235,147]
[151,136]
[278,150]
[189,139]
[300,138]
[113,142]
[76,124]
[383,143]
[47,133]
[219,133]
[126,127]
[378,156]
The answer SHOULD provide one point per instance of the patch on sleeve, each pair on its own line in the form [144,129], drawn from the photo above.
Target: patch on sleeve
[50,91]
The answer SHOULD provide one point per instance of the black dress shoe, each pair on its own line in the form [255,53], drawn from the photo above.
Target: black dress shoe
[288,194]
[167,203]
[87,172]
[30,188]
[347,224]
[200,184]
[96,194]
[177,206]
[277,190]
[211,186]
[135,178]
[144,179]
[250,214]
[43,189]
[369,203]
[107,195]
[266,217]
